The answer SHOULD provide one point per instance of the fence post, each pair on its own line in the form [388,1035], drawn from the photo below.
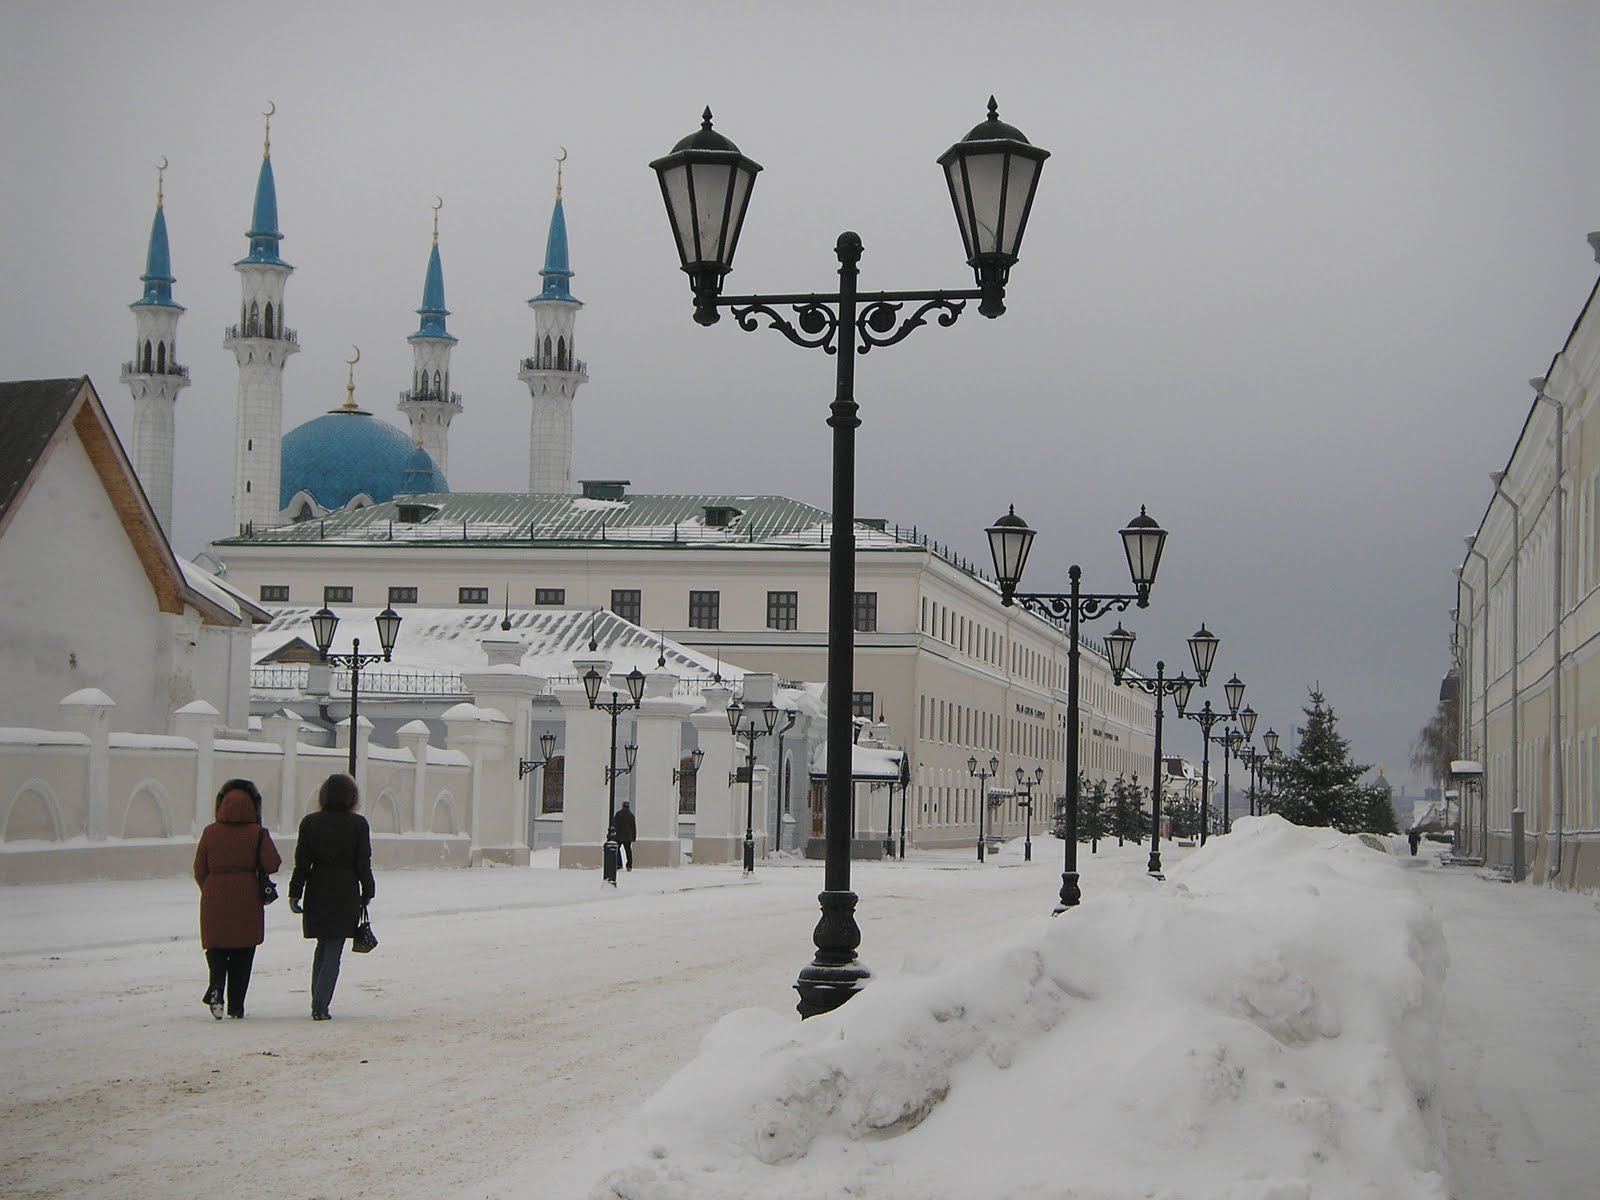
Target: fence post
[1519,853]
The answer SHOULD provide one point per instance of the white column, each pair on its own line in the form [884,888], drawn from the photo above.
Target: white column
[284,729]
[502,831]
[719,806]
[88,711]
[583,815]
[482,735]
[198,722]
[660,739]
[413,736]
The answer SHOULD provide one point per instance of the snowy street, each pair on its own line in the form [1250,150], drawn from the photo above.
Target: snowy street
[512,1022]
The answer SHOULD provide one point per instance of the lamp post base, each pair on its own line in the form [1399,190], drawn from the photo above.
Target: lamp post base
[749,855]
[1154,865]
[835,974]
[1070,895]
[612,855]
[1027,851]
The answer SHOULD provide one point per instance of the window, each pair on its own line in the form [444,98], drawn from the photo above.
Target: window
[274,593]
[338,595]
[783,610]
[553,792]
[549,595]
[705,610]
[861,704]
[866,612]
[402,595]
[472,595]
[627,603]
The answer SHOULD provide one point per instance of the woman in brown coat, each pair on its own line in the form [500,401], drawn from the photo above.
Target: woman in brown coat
[232,917]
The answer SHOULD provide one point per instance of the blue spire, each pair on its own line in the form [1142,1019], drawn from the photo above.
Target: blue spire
[556,272]
[264,236]
[158,277]
[433,312]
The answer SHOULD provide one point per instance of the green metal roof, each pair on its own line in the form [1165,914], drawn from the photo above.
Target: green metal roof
[514,518]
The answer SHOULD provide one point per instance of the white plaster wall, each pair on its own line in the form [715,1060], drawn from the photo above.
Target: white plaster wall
[87,618]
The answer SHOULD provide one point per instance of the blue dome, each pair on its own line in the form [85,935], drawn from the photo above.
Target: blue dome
[348,452]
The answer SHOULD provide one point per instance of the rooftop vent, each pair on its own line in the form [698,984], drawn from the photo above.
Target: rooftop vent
[415,514]
[605,489]
[720,516]
[881,524]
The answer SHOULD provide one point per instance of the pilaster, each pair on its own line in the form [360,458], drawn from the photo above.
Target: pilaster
[718,810]
[88,711]
[198,722]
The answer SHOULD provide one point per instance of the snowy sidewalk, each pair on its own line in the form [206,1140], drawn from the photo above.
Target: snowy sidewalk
[1519,1088]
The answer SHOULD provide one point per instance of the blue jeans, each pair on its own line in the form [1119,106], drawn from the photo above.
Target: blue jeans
[325,972]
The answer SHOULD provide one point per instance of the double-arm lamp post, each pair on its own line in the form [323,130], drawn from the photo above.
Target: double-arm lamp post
[1025,786]
[749,734]
[323,623]
[706,182]
[1207,718]
[983,778]
[1010,539]
[1203,652]
[614,706]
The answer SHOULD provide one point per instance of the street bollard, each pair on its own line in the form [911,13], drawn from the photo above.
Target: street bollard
[1519,863]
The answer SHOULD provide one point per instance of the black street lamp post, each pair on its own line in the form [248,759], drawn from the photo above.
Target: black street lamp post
[1010,539]
[614,706]
[1025,785]
[706,182]
[749,734]
[983,778]
[1203,652]
[323,623]
[1207,718]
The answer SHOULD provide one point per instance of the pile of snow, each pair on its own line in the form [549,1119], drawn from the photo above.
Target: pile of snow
[1258,1027]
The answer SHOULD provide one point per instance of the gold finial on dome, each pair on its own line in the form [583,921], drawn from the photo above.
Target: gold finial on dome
[161,169]
[438,203]
[560,158]
[266,137]
[350,381]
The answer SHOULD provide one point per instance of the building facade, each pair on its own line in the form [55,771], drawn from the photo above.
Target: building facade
[1528,631]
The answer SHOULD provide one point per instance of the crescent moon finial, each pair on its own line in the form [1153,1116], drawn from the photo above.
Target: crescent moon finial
[350,380]
[266,138]
[161,168]
[438,203]
[560,158]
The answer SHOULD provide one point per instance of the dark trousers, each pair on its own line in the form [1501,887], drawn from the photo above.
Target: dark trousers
[230,975]
[325,972]
[627,854]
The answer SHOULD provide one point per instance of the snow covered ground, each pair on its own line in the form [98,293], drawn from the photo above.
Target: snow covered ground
[1290,1015]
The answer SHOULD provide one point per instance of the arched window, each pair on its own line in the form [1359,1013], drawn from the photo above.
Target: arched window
[436,378]
[546,363]
[255,320]
[268,330]
[147,358]
[561,355]
[161,359]
[551,799]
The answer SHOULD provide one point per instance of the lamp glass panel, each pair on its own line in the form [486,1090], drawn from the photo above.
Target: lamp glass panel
[323,623]
[1119,649]
[388,629]
[1181,687]
[1009,543]
[735,711]
[1142,544]
[636,685]
[591,685]
[972,765]
[1203,650]
[1247,721]
[1234,690]
[547,745]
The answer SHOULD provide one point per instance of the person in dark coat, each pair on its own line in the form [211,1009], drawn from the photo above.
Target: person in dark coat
[232,917]
[627,829]
[333,875]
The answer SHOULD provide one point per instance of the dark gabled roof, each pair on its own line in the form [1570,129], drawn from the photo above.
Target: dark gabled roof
[31,410]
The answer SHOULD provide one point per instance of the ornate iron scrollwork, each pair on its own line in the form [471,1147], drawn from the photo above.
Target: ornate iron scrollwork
[878,318]
[1060,606]
[818,324]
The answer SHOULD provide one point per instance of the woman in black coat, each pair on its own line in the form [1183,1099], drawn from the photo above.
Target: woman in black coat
[333,874]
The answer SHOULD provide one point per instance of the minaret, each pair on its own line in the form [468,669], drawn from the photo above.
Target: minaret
[554,373]
[154,376]
[430,404]
[262,343]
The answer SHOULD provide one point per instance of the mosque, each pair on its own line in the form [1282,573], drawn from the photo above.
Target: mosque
[348,510]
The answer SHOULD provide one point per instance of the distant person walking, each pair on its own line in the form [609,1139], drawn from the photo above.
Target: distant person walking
[333,873]
[232,916]
[627,829]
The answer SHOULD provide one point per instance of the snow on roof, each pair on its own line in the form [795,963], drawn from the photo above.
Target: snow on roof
[868,764]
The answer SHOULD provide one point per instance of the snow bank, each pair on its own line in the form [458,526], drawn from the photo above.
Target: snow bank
[1258,1027]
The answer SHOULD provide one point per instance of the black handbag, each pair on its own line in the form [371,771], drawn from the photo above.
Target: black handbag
[364,941]
[269,890]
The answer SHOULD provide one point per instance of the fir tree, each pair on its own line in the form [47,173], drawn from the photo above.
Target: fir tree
[1319,782]
[1129,819]
[1094,815]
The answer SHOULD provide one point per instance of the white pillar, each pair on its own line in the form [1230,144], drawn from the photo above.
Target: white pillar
[501,831]
[88,711]
[198,722]
[482,735]
[284,729]
[413,736]
[719,806]
[659,735]
[584,797]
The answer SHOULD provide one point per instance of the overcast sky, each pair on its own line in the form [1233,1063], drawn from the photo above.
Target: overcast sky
[1289,269]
